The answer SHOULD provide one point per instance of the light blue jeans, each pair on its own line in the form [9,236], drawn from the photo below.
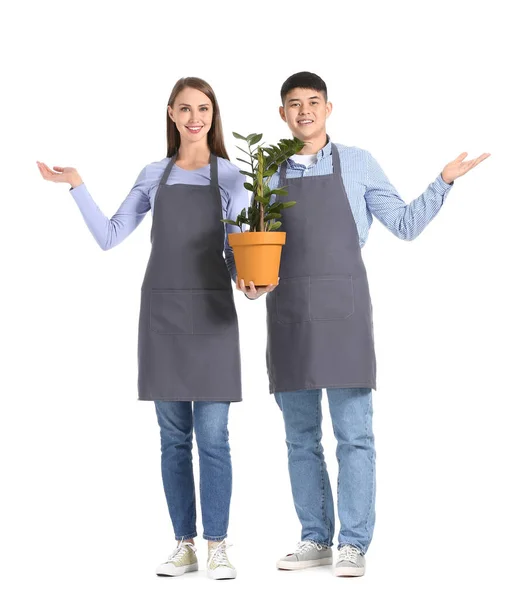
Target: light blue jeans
[209,420]
[351,415]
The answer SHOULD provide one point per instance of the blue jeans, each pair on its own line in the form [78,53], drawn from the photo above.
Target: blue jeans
[176,420]
[351,415]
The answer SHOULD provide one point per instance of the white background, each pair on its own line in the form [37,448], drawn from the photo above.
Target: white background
[86,85]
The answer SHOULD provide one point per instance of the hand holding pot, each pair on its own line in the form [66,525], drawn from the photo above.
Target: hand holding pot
[253,292]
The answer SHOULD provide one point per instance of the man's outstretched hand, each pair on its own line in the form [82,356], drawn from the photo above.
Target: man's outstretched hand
[254,292]
[457,168]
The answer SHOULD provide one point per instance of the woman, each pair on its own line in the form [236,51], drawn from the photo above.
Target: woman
[188,347]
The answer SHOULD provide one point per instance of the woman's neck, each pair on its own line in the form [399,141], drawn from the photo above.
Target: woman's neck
[193,156]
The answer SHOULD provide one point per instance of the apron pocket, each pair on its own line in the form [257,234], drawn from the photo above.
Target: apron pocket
[170,312]
[213,311]
[331,297]
[292,300]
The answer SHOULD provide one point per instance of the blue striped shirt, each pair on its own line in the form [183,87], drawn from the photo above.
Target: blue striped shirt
[370,193]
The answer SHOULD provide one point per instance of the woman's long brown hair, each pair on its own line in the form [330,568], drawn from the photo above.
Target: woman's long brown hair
[215,136]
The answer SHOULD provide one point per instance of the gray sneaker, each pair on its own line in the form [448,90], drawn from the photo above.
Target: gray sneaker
[350,563]
[308,554]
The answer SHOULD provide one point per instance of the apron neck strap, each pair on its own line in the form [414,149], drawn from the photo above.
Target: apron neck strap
[212,164]
[214,169]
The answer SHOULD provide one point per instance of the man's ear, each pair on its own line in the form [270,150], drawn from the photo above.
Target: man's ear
[282,114]
[329,109]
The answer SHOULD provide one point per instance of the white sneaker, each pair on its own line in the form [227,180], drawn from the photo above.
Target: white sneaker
[218,565]
[350,563]
[183,560]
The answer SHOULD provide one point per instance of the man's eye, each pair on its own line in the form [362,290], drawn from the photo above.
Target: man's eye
[185,108]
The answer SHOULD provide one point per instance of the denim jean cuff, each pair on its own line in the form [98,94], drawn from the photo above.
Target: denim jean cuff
[215,538]
[359,546]
[322,542]
[188,536]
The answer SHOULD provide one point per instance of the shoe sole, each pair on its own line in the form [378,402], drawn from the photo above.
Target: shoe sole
[349,571]
[224,573]
[285,565]
[176,571]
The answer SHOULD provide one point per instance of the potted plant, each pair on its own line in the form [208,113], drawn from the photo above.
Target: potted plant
[257,251]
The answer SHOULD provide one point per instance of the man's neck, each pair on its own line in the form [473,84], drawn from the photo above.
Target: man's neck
[314,145]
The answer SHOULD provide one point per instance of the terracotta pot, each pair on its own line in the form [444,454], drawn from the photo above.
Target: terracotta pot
[257,255]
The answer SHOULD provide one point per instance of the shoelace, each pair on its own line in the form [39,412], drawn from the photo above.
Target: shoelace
[349,553]
[180,550]
[219,556]
[307,545]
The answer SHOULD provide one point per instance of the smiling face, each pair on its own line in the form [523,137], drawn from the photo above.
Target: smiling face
[192,113]
[305,111]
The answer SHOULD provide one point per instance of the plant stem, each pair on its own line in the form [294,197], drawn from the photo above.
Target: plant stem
[260,187]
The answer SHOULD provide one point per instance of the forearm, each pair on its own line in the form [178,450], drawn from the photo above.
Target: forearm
[406,221]
[107,232]
[413,218]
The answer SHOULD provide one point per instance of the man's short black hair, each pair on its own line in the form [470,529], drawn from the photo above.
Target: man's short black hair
[306,80]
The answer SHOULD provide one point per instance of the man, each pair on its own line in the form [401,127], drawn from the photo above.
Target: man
[320,325]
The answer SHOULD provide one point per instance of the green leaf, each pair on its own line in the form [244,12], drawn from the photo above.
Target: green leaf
[254,139]
[279,192]
[249,186]
[272,215]
[270,172]
[253,216]
[244,161]
[248,174]
[288,204]
[239,137]
[274,226]
[262,200]
[229,221]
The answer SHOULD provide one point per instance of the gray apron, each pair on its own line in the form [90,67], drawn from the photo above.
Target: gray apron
[319,318]
[188,342]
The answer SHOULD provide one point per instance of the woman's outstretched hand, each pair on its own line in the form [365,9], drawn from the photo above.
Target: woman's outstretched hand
[60,174]
[254,292]
[457,168]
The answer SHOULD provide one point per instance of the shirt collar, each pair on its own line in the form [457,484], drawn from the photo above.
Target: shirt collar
[325,151]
